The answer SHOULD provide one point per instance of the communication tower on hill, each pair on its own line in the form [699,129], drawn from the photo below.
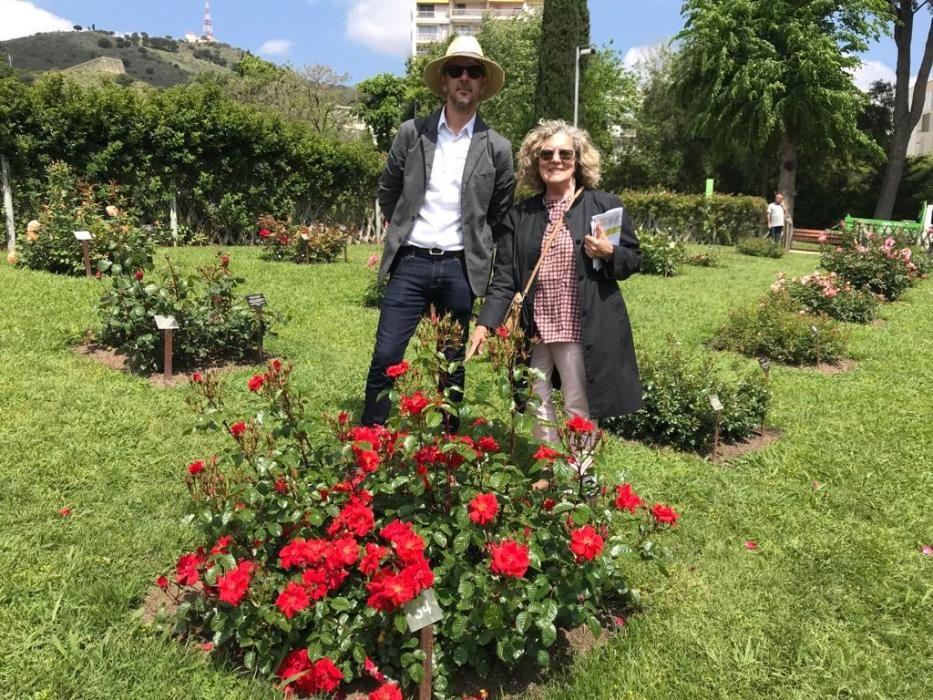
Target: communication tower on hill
[207,29]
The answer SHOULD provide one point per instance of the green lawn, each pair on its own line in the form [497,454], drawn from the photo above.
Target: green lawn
[836,602]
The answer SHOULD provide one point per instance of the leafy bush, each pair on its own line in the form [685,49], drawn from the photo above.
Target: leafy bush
[704,258]
[676,389]
[214,324]
[301,244]
[721,219]
[878,266]
[760,247]
[71,205]
[826,293]
[776,328]
[314,538]
[660,254]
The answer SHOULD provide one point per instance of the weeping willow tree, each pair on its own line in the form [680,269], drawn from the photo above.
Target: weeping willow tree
[774,77]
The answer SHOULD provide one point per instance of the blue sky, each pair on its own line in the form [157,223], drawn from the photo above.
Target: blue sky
[357,37]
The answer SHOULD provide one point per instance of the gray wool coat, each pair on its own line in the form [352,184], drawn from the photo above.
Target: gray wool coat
[612,384]
[485,196]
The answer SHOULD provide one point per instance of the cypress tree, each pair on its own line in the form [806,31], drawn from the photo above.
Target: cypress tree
[565,25]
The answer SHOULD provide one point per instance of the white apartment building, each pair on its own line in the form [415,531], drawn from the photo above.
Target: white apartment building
[921,140]
[436,20]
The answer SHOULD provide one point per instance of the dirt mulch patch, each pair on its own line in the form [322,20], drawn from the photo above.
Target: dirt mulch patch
[729,452]
[829,370]
[116,361]
[502,682]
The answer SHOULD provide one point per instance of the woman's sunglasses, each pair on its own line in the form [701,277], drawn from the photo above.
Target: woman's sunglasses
[566,154]
[455,70]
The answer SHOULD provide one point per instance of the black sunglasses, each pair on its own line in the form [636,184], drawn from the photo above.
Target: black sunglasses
[566,154]
[455,70]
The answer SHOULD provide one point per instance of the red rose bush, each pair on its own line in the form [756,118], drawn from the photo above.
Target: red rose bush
[314,536]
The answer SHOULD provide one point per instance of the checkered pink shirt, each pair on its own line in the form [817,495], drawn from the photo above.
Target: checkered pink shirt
[557,299]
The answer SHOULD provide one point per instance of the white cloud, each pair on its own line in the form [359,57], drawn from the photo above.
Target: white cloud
[383,26]
[636,55]
[21,18]
[276,47]
[870,71]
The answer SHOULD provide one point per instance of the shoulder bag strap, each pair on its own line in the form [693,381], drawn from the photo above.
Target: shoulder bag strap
[549,236]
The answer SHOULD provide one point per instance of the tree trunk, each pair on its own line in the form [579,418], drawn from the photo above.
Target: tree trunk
[906,114]
[787,177]
[8,204]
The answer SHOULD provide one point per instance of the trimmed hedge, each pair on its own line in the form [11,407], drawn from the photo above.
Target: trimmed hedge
[720,219]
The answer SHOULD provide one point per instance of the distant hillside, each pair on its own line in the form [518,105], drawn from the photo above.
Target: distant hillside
[159,61]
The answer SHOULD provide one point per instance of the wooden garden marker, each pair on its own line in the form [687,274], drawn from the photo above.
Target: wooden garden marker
[717,407]
[166,324]
[765,365]
[421,614]
[257,302]
[85,237]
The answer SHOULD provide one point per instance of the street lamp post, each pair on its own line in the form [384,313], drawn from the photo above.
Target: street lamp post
[580,51]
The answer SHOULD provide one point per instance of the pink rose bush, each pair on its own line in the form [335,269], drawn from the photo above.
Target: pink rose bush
[313,536]
[828,294]
[880,266]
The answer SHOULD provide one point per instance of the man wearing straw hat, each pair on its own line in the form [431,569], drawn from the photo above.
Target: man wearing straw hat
[447,183]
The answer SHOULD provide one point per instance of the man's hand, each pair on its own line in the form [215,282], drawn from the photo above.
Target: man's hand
[477,341]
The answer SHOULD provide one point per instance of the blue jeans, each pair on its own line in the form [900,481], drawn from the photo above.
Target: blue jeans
[416,281]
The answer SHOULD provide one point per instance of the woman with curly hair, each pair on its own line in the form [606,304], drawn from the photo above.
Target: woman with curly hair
[573,312]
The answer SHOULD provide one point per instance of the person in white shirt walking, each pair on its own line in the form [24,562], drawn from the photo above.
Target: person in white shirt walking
[447,184]
[776,214]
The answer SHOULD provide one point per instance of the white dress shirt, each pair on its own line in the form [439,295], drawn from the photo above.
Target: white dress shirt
[439,223]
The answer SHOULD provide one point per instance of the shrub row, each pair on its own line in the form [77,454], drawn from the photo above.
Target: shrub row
[720,219]
[226,163]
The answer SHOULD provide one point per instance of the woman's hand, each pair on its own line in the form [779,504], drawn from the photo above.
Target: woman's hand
[477,341]
[598,246]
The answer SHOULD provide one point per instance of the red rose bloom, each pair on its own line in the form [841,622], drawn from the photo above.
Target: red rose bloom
[399,369]
[389,691]
[345,552]
[356,518]
[409,548]
[578,424]
[223,545]
[477,422]
[586,543]
[484,508]
[232,586]
[256,381]
[276,365]
[488,444]
[413,405]
[545,452]
[292,600]
[162,582]
[626,499]
[388,591]
[509,559]
[139,274]
[197,378]
[186,570]
[298,664]
[265,233]
[548,504]
[372,558]
[367,460]
[281,485]
[664,514]
[373,671]
[502,332]
[237,429]
[196,467]
[327,676]
[315,583]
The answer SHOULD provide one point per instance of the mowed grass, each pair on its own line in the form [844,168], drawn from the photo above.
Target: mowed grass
[836,602]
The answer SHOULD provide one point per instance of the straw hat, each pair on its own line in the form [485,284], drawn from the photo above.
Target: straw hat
[464,47]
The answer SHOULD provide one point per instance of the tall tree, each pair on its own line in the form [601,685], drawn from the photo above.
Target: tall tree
[774,77]
[565,25]
[908,103]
